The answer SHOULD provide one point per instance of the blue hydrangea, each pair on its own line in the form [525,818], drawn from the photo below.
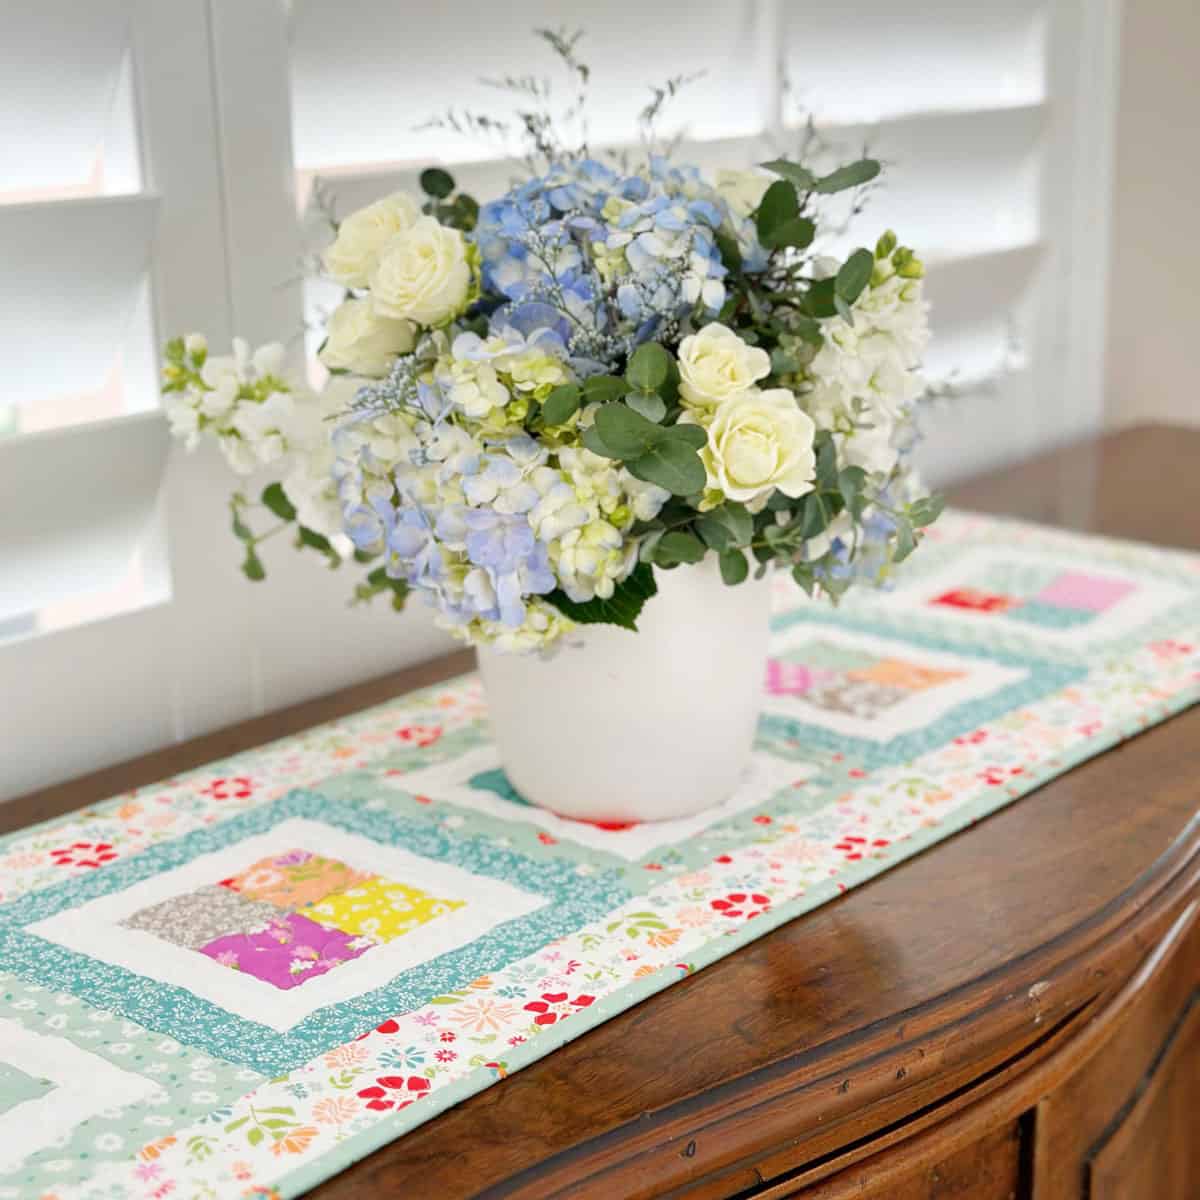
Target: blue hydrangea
[605,259]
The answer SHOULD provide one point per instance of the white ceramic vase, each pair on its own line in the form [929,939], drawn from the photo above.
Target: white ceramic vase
[638,726]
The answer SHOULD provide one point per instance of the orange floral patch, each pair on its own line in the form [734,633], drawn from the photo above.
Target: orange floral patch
[898,673]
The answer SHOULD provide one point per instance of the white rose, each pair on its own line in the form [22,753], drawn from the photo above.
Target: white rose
[759,442]
[742,190]
[363,234]
[715,364]
[422,275]
[363,343]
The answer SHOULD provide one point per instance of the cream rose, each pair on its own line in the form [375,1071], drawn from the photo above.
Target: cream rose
[422,275]
[363,234]
[757,442]
[715,364]
[742,190]
[362,342]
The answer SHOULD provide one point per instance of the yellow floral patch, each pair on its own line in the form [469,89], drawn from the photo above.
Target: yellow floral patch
[380,909]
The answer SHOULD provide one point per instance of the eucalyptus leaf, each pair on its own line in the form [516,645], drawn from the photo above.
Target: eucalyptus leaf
[906,541]
[734,567]
[649,404]
[827,472]
[854,275]
[731,256]
[778,205]
[649,367]
[851,175]
[926,510]
[561,405]
[802,177]
[672,464]
[678,547]
[690,435]
[627,433]
[595,443]
[851,483]
[726,527]
[803,574]
[601,389]
[797,232]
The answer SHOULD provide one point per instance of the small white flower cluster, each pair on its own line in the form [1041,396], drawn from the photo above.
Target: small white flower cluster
[866,378]
[259,418]
[412,272]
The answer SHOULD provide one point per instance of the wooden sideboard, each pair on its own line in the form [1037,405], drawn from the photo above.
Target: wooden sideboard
[1013,1014]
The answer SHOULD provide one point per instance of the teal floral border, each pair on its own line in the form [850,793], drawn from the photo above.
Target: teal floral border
[781,735]
[574,900]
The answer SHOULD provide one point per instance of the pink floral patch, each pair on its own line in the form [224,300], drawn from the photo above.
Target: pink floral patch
[83,854]
[288,952]
[555,1005]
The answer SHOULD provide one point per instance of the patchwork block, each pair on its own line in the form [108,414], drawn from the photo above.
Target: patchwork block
[193,919]
[290,951]
[1080,589]
[294,879]
[380,909]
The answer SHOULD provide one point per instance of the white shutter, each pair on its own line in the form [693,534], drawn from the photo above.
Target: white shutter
[994,118]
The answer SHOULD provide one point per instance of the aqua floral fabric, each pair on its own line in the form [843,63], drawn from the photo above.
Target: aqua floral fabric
[236,982]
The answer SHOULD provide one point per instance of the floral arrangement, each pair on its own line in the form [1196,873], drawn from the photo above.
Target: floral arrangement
[616,367]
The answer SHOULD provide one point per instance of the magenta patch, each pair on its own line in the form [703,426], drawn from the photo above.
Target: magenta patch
[792,679]
[288,952]
[1093,593]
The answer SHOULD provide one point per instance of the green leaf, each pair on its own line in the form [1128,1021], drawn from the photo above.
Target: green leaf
[691,435]
[926,510]
[827,472]
[854,275]
[252,566]
[437,183]
[802,177]
[622,608]
[778,206]
[235,1125]
[678,547]
[241,530]
[672,464]
[906,541]
[595,443]
[649,367]
[798,232]
[276,500]
[731,256]
[627,433]
[734,567]
[254,1136]
[649,404]
[561,405]
[815,516]
[851,175]
[319,542]
[842,309]
[819,301]
[803,574]
[602,389]
[808,329]
[725,527]
[851,482]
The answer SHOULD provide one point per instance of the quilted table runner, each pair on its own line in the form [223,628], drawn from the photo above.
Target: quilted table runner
[238,981]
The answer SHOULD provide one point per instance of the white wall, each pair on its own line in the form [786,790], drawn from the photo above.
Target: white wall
[1154,313]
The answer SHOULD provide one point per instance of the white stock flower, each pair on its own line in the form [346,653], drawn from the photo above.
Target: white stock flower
[362,235]
[422,274]
[742,190]
[715,364]
[869,447]
[362,342]
[758,442]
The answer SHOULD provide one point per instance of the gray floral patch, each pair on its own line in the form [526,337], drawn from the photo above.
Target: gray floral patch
[196,918]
